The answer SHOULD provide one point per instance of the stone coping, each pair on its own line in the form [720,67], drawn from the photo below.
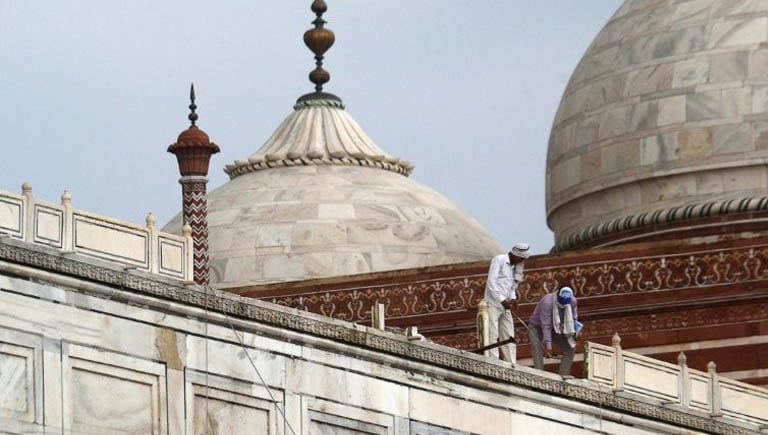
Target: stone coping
[128,280]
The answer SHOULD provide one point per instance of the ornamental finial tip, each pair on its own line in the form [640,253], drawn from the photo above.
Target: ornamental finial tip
[319,40]
[192,106]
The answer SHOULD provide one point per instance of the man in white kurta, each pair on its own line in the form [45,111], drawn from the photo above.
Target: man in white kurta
[505,273]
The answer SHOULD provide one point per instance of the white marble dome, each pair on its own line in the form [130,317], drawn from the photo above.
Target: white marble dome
[665,119]
[320,199]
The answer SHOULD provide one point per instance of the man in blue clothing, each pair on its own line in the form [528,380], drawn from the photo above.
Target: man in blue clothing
[554,320]
[505,273]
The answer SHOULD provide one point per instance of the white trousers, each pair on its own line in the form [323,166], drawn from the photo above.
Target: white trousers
[501,326]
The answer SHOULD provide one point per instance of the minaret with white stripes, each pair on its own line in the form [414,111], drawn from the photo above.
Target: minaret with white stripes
[193,150]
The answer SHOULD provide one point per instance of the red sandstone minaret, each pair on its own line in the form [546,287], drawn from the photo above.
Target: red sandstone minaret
[193,150]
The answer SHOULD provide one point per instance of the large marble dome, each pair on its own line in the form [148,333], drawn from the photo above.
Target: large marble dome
[321,199]
[664,120]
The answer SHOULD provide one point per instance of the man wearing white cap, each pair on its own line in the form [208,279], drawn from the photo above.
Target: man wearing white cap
[505,273]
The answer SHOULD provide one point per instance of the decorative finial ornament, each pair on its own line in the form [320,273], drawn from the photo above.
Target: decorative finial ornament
[151,220]
[192,106]
[319,40]
[193,149]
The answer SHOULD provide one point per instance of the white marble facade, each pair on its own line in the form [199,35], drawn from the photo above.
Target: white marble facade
[80,354]
[667,108]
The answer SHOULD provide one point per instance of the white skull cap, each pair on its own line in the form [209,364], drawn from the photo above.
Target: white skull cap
[522,250]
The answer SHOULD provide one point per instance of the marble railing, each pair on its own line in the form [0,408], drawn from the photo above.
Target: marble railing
[62,227]
[675,384]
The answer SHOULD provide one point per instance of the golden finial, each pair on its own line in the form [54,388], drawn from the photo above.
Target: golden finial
[319,40]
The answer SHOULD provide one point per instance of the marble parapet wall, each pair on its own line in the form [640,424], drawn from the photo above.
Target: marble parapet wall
[88,348]
[675,383]
[60,226]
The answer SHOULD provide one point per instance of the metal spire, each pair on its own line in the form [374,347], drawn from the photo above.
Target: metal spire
[319,40]
[192,106]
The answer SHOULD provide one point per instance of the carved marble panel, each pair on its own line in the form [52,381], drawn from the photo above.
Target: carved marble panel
[651,377]
[109,393]
[700,391]
[104,239]
[221,406]
[743,401]
[17,382]
[330,418]
[601,363]
[12,215]
[49,225]
[21,382]
[172,258]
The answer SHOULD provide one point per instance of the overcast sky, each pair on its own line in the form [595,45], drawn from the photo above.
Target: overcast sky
[92,92]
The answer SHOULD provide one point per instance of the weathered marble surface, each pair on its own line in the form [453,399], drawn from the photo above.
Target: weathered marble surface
[154,365]
[670,93]
[302,222]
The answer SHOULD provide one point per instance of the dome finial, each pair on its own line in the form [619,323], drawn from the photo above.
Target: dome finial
[319,40]
[192,106]
[193,147]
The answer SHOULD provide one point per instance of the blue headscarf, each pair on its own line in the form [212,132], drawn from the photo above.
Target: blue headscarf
[564,295]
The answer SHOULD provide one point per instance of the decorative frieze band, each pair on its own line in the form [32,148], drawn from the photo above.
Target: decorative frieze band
[241,167]
[687,269]
[692,269]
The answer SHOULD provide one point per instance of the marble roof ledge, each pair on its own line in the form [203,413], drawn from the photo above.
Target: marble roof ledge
[319,132]
[80,274]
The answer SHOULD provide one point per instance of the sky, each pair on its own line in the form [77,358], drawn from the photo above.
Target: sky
[92,92]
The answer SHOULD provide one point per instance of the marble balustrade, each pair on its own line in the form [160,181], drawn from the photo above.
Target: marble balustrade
[675,383]
[60,226]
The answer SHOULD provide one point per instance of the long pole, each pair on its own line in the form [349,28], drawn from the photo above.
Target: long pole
[494,345]
[546,352]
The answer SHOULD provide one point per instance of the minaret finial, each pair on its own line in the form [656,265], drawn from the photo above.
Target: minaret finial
[192,106]
[193,150]
[319,40]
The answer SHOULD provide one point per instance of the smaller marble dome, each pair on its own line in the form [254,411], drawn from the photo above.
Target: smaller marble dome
[321,199]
